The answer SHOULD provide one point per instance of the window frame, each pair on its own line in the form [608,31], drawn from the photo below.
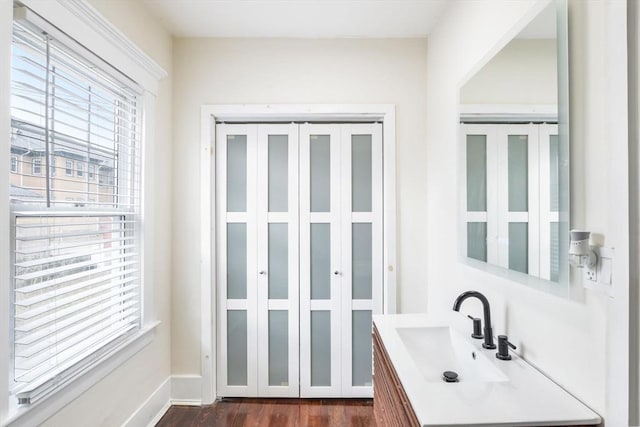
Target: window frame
[68,167]
[83,23]
[36,162]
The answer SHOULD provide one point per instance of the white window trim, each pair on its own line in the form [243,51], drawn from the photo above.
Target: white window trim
[81,21]
[282,112]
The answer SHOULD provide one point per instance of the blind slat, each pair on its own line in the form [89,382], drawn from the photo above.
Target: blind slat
[72,277]
[67,256]
[41,333]
[94,304]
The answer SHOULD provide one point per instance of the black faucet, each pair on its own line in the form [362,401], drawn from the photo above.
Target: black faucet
[488,333]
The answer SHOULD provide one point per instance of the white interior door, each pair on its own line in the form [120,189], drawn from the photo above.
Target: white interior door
[236,164]
[361,265]
[320,261]
[277,223]
[299,218]
[340,256]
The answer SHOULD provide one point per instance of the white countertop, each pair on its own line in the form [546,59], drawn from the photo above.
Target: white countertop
[527,398]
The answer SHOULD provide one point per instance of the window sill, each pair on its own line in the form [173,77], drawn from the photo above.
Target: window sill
[38,412]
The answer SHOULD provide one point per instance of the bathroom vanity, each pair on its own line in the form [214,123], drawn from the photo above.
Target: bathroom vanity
[411,353]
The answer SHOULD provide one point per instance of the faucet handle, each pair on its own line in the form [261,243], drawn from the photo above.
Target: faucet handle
[477,328]
[503,348]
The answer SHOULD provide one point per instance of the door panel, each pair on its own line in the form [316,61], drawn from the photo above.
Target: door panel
[299,247]
[277,219]
[320,275]
[236,249]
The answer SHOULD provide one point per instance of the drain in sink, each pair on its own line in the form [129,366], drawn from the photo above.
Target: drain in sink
[450,376]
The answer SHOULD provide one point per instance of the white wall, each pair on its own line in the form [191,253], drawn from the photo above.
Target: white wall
[286,71]
[112,400]
[523,72]
[567,339]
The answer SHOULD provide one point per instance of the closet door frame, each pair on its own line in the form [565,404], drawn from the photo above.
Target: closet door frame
[212,114]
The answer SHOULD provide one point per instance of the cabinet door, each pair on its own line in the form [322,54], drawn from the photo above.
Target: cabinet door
[236,164]
[277,223]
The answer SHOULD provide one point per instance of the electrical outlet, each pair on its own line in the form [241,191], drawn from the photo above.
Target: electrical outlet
[591,274]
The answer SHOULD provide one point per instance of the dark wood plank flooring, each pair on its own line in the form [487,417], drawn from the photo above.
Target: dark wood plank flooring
[273,413]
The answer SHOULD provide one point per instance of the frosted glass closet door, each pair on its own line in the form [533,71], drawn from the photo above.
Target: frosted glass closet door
[518,198]
[320,262]
[361,222]
[340,257]
[236,165]
[481,211]
[550,203]
[277,223]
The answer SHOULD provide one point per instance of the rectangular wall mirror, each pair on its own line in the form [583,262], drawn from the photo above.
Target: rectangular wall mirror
[514,157]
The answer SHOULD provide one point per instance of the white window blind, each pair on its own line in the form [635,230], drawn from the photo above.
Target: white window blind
[76,284]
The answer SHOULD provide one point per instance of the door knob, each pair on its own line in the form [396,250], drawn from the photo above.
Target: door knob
[335,273]
[262,272]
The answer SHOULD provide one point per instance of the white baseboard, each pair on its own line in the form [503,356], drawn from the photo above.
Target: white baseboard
[186,390]
[150,412]
[175,390]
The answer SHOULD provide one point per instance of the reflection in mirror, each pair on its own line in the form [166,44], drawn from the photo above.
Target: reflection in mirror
[514,149]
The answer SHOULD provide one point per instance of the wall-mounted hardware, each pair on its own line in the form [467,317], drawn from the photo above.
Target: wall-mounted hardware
[581,254]
[595,262]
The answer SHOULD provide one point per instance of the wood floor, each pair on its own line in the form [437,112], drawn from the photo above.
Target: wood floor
[274,413]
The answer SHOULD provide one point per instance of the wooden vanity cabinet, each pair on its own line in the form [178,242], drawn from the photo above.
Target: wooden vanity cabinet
[391,407]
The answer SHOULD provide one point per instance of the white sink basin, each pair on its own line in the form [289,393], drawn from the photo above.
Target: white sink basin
[438,349]
[490,392]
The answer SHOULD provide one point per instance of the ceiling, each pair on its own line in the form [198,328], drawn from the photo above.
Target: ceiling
[298,18]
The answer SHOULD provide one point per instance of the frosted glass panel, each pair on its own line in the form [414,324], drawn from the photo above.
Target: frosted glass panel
[278,348]
[554,173]
[361,181]
[476,173]
[477,240]
[519,246]
[278,171]
[555,252]
[361,351]
[236,173]
[518,173]
[361,261]
[237,347]
[236,261]
[320,348]
[320,261]
[320,173]
[278,261]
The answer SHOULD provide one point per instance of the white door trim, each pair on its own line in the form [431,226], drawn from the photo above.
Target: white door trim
[272,113]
